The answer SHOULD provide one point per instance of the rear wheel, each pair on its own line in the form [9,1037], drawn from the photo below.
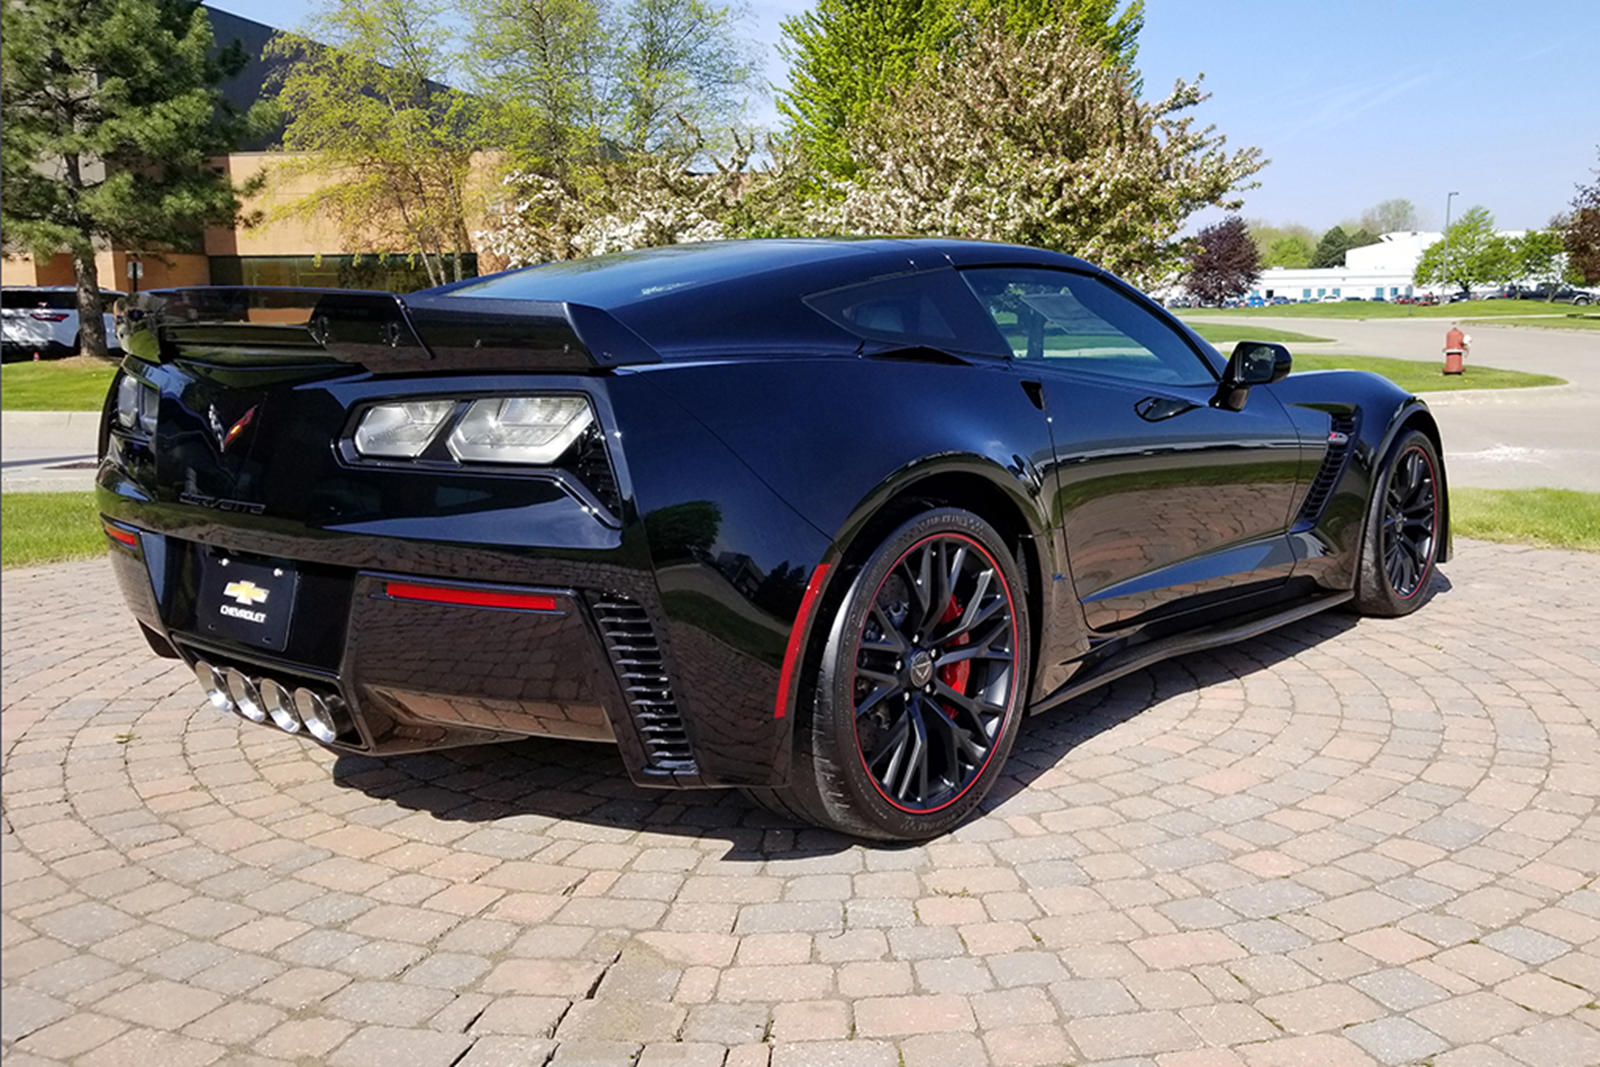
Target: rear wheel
[1404,523]
[921,685]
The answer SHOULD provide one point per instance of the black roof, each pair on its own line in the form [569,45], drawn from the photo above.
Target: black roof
[794,266]
[734,297]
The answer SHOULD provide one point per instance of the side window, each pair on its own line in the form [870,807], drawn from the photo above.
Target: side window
[929,308]
[1085,323]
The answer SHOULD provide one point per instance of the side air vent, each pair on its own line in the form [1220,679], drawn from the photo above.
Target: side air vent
[593,467]
[631,643]
[1341,435]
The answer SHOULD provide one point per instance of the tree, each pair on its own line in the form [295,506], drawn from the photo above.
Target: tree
[1581,233]
[1037,140]
[680,63]
[846,56]
[1290,250]
[548,64]
[1476,254]
[1226,263]
[391,145]
[644,200]
[1336,242]
[1389,216]
[111,111]
[1539,258]
[1331,249]
[573,80]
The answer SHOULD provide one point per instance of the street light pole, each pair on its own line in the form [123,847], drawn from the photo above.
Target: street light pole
[1447,200]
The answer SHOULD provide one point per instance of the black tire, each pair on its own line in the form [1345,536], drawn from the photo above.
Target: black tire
[1404,528]
[880,687]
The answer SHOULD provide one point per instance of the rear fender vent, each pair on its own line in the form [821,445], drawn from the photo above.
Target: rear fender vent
[1341,439]
[636,657]
[592,465]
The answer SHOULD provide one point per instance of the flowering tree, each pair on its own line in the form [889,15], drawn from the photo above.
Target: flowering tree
[1037,140]
[642,200]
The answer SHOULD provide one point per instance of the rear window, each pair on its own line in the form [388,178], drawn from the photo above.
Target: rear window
[932,308]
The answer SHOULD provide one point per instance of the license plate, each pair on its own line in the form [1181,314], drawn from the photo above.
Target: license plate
[246,601]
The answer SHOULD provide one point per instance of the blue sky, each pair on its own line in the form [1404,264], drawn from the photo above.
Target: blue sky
[1354,101]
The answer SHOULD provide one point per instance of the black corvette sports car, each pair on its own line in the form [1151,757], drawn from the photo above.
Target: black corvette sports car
[821,519]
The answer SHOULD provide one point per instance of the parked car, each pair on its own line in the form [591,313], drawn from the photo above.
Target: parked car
[819,519]
[43,319]
[1559,294]
[1425,300]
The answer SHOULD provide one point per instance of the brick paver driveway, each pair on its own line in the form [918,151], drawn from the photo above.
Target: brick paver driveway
[1344,843]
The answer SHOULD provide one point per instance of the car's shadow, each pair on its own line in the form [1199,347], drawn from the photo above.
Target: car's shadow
[531,784]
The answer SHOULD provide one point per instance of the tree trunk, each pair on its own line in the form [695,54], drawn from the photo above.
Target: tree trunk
[91,314]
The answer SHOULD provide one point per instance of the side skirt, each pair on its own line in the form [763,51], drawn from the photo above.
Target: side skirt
[1143,656]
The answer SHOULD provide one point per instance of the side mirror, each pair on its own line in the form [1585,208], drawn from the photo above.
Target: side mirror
[1252,363]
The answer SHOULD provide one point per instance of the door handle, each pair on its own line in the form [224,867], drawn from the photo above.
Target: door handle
[1035,391]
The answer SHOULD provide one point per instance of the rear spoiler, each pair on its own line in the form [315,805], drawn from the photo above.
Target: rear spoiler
[383,332]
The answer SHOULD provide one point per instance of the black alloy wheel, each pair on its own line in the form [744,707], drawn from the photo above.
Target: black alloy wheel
[1405,526]
[912,703]
[1410,522]
[935,665]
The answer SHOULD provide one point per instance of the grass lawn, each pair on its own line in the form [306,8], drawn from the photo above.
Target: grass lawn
[1419,376]
[78,383]
[1561,518]
[1367,309]
[1219,333]
[48,527]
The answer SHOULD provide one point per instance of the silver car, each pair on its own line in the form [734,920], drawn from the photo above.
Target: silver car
[43,320]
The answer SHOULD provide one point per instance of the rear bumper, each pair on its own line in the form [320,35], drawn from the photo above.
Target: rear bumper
[579,654]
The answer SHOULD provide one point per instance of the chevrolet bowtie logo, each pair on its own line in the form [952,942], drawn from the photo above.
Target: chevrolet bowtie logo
[245,592]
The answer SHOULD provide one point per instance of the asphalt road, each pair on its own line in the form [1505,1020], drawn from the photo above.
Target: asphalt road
[1496,438]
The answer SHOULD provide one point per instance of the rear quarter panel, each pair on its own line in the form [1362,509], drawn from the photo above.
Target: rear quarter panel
[1330,548]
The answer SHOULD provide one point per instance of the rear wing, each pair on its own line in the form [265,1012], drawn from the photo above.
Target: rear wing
[383,332]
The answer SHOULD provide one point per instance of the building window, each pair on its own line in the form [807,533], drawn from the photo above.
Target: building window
[1305,294]
[1322,292]
[387,273]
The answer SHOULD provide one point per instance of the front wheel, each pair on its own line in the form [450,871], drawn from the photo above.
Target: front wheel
[1400,548]
[921,685]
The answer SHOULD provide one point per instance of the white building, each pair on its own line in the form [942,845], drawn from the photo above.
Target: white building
[1384,269]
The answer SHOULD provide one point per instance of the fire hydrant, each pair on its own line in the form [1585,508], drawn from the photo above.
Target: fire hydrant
[1455,349]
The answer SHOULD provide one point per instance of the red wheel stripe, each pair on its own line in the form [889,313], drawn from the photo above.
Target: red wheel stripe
[797,633]
[1016,666]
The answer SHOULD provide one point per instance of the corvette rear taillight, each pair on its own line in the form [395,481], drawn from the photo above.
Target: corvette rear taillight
[401,430]
[520,429]
[48,316]
[137,405]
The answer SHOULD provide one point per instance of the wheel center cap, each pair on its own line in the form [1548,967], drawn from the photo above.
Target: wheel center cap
[919,669]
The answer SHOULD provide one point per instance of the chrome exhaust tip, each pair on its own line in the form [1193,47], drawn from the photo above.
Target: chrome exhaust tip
[279,703]
[246,697]
[212,682]
[321,714]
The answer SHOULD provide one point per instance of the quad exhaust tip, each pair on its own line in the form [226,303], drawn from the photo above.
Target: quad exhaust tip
[230,690]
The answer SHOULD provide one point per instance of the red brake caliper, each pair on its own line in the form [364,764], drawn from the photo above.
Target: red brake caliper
[956,674]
